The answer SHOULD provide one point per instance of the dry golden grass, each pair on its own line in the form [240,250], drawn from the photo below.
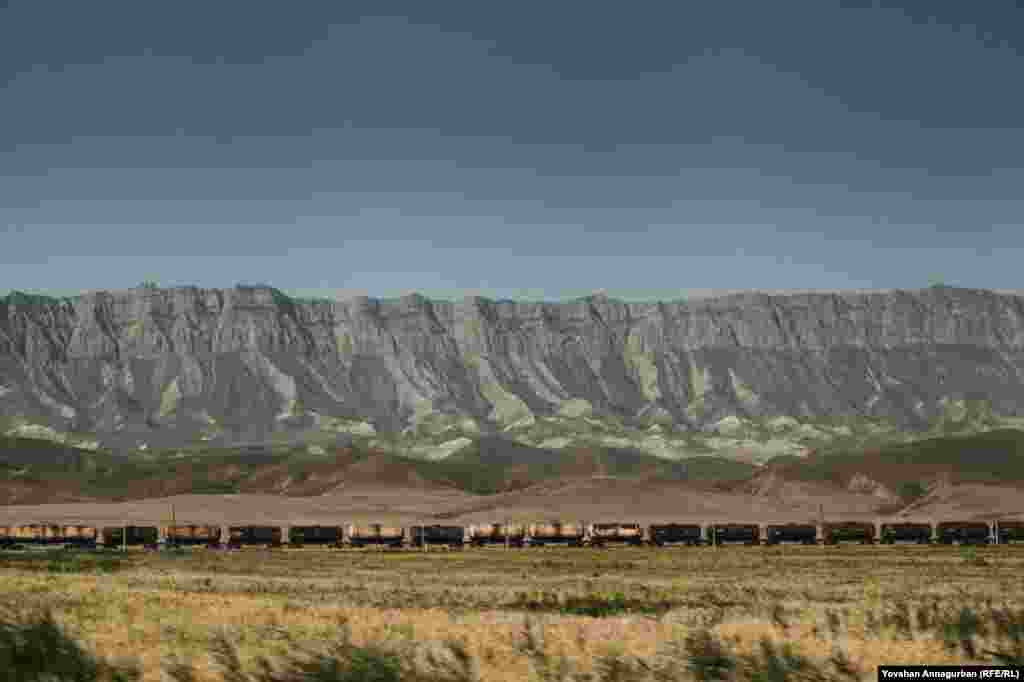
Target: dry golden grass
[154,606]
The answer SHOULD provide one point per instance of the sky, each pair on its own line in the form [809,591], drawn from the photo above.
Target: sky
[514,150]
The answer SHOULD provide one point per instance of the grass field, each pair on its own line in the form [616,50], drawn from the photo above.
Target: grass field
[621,614]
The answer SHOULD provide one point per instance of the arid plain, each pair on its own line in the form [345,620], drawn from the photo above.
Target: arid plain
[738,613]
[585,499]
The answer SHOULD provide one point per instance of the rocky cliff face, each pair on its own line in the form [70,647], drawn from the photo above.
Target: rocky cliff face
[244,363]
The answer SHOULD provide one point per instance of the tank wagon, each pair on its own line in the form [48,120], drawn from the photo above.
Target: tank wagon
[52,534]
[797,533]
[602,534]
[84,537]
[963,533]
[77,536]
[259,536]
[320,536]
[1009,532]
[6,541]
[497,533]
[450,536]
[130,536]
[375,534]
[848,532]
[556,532]
[906,533]
[661,534]
[191,535]
[10,538]
[37,534]
[734,533]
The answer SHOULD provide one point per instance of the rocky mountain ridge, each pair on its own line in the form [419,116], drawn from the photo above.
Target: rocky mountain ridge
[183,365]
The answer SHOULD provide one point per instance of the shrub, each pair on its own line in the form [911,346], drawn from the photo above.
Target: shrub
[708,658]
[1004,628]
[37,649]
[913,490]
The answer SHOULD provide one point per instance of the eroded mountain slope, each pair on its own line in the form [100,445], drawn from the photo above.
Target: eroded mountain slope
[169,367]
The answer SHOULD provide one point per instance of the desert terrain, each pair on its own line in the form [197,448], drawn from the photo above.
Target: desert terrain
[585,499]
[491,615]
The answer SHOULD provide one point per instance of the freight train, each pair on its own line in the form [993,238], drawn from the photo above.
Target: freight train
[555,532]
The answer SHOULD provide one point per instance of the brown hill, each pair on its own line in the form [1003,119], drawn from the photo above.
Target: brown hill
[593,499]
[975,477]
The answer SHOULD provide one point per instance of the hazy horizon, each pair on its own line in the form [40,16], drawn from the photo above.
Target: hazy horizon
[692,294]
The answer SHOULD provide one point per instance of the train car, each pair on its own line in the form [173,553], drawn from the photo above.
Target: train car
[50,534]
[848,532]
[450,536]
[27,534]
[130,536]
[734,534]
[556,533]
[319,536]
[661,534]
[497,534]
[37,534]
[192,535]
[254,536]
[1009,532]
[792,533]
[7,539]
[374,534]
[81,537]
[906,533]
[963,533]
[601,534]
[53,534]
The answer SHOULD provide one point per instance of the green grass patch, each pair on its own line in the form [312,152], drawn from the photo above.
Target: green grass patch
[593,605]
[495,465]
[22,298]
[63,561]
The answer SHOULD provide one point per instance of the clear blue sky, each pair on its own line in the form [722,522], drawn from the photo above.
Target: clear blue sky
[529,150]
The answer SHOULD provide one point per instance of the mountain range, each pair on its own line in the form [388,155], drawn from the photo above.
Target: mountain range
[749,376]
